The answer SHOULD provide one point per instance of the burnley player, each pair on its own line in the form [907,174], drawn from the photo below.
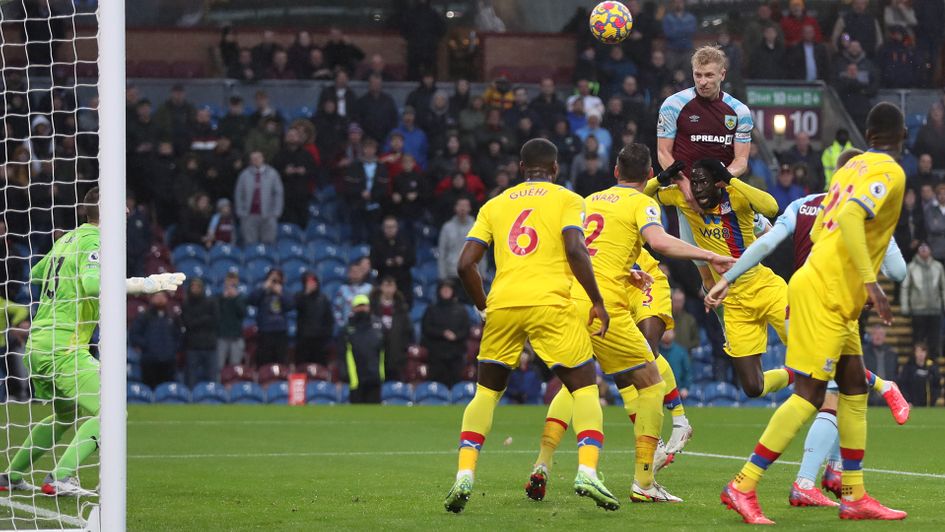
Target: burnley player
[538,231]
[851,234]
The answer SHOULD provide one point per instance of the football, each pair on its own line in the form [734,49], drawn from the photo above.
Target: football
[610,22]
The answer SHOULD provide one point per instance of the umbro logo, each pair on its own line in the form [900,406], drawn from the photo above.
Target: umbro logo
[693,118]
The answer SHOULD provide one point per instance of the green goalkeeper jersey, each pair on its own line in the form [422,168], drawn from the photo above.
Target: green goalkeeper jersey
[69,276]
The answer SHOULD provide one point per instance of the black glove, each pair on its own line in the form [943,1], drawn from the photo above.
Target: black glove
[718,170]
[667,175]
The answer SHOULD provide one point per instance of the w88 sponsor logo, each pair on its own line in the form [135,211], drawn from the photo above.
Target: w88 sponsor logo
[721,233]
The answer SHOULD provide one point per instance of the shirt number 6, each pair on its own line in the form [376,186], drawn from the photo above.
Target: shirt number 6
[520,232]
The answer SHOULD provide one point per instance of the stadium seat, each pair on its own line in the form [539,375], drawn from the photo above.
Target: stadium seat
[396,393]
[171,392]
[426,274]
[722,401]
[272,372]
[427,253]
[236,373]
[358,251]
[289,231]
[697,392]
[293,269]
[210,393]
[139,393]
[431,393]
[344,393]
[782,395]
[421,294]
[702,372]
[319,213]
[416,313]
[427,232]
[247,393]
[193,268]
[321,393]
[322,231]
[289,249]
[315,372]
[321,250]
[226,251]
[278,393]
[220,268]
[260,251]
[722,390]
[330,270]
[701,354]
[189,251]
[757,402]
[256,269]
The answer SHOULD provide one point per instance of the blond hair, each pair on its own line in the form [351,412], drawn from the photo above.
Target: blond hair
[709,54]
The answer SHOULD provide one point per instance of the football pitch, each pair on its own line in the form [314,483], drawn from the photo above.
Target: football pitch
[235,467]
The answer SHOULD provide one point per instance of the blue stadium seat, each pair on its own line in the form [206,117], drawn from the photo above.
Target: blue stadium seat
[396,393]
[171,392]
[256,269]
[319,213]
[193,268]
[320,250]
[702,354]
[416,313]
[427,232]
[278,393]
[246,392]
[291,232]
[220,268]
[139,393]
[426,273]
[302,112]
[330,270]
[723,390]
[294,268]
[321,393]
[322,231]
[357,251]
[344,393]
[702,372]
[260,252]
[757,402]
[426,253]
[722,401]
[227,252]
[330,288]
[189,251]
[462,392]
[421,294]
[210,393]
[782,395]
[289,249]
[431,393]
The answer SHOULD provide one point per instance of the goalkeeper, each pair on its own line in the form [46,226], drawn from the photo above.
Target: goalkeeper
[61,367]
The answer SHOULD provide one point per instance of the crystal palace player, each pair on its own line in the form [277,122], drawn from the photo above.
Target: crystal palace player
[851,235]
[61,367]
[822,439]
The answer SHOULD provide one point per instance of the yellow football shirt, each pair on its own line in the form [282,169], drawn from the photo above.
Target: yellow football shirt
[615,218]
[647,263]
[526,223]
[875,182]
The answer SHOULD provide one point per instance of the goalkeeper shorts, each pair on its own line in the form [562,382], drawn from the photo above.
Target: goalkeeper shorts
[60,372]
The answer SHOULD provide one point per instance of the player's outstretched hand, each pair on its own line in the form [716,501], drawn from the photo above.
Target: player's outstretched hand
[152,284]
[641,279]
[599,312]
[666,176]
[721,263]
[715,296]
[880,302]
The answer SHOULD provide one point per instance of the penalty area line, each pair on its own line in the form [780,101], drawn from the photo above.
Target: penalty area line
[42,513]
[341,454]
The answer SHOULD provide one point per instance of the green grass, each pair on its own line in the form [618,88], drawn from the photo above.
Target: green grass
[388,468]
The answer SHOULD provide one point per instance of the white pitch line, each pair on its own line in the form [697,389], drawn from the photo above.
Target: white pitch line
[42,513]
[330,454]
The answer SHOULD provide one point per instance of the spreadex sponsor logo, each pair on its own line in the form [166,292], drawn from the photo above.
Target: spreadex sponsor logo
[713,139]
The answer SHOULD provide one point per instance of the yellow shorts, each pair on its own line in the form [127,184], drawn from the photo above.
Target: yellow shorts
[557,333]
[818,333]
[624,347]
[656,301]
[749,311]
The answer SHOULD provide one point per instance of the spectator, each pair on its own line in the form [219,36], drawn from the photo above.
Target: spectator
[235,125]
[315,322]
[614,120]
[415,140]
[339,91]
[265,109]
[262,52]
[351,150]
[920,379]
[356,284]
[803,153]
[547,107]
[280,68]
[840,144]
[229,47]
[594,178]
[785,189]
[880,358]
[922,296]
[591,148]
[420,97]
[176,118]
[363,187]
[388,305]
[332,129]
[376,65]
[593,127]
[471,120]
[924,174]
[499,95]
[935,224]
[927,197]
[445,329]
[143,133]
[590,103]
[899,13]
[298,54]
[244,69]
[808,59]
[363,342]
[857,24]
[298,171]
[411,194]
[340,53]
[686,329]
[897,60]
[221,166]
[754,30]
[586,65]
[138,238]
[910,231]
[679,27]
[493,130]
[733,83]
[423,28]
[568,144]
[447,159]
[272,304]
[453,237]
[615,68]
[767,60]
[632,100]
[678,358]
[316,67]
[156,333]
[520,109]
[656,75]
[437,122]
[222,226]
[265,138]
[792,25]
[930,15]
[15,322]
[199,316]
[931,137]
[393,156]
[231,348]
[393,255]
[461,98]
[195,221]
[259,201]
[502,183]
[525,381]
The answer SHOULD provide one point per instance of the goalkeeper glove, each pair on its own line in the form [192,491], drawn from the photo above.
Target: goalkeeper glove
[718,170]
[667,175]
[151,284]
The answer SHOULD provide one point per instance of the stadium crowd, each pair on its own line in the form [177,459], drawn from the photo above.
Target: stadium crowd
[329,241]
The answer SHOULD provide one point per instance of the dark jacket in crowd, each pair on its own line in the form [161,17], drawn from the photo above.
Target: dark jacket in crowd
[315,318]
[384,253]
[232,311]
[911,228]
[157,334]
[445,356]
[363,342]
[139,241]
[921,385]
[377,115]
[271,309]
[398,333]
[200,316]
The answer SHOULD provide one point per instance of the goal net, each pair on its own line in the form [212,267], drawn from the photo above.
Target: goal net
[55,150]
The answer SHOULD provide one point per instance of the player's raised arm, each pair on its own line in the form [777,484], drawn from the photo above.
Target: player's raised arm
[851,222]
[760,200]
[666,244]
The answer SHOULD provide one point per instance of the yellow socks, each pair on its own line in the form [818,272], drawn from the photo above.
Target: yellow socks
[556,424]
[646,429]
[671,399]
[851,422]
[784,425]
[776,379]
[477,422]
[588,424]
